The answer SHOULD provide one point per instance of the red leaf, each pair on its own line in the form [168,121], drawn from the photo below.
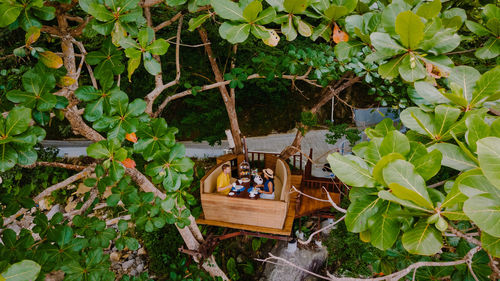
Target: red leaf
[131,137]
[128,163]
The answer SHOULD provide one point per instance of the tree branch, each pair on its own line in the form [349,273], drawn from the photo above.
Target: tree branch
[168,22]
[394,276]
[55,164]
[318,231]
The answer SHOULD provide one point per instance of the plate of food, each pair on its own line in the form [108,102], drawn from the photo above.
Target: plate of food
[245,180]
[238,187]
[231,193]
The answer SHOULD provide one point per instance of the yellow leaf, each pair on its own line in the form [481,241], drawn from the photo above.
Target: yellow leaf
[50,59]
[65,81]
[32,35]
[272,40]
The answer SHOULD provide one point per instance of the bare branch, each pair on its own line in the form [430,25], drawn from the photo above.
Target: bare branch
[55,164]
[466,237]
[318,231]
[85,206]
[391,277]
[85,173]
[168,22]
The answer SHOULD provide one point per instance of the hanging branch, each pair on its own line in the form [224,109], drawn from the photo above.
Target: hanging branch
[55,164]
[391,277]
[320,230]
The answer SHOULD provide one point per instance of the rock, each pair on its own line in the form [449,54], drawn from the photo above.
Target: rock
[133,272]
[54,210]
[141,251]
[310,258]
[140,267]
[114,256]
[126,265]
[15,227]
[55,276]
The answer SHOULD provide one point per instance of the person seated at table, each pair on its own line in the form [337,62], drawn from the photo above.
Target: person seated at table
[267,191]
[224,180]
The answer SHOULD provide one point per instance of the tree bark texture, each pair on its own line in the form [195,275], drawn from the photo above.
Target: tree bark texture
[229,102]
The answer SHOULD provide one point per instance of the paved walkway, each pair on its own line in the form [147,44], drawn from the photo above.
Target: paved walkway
[270,143]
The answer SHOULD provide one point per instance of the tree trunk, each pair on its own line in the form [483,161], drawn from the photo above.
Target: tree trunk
[229,101]
[190,234]
[333,89]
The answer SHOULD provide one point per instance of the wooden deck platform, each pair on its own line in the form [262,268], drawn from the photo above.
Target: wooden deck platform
[286,231]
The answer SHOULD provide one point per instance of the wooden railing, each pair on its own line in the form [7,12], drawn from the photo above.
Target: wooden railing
[332,185]
[294,160]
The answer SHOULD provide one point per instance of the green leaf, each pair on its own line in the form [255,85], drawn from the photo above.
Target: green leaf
[395,141]
[390,14]
[488,150]
[349,171]
[134,61]
[384,44]
[390,69]
[476,130]
[491,244]
[22,271]
[289,30]
[476,28]
[445,117]
[360,211]
[9,13]
[17,121]
[197,21]
[490,49]
[145,36]
[227,9]
[234,33]
[442,42]
[266,16]
[382,163]
[491,11]
[412,69]
[295,6]
[484,211]
[158,47]
[406,184]
[100,12]
[346,50]
[430,9]
[453,156]
[98,151]
[304,28]
[428,165]
[428,92]
[252,10]
[422,239]
[410,29]
[465,77]
[385,228]
[386,195]
[335,12]
[151,65]
[487,86]
[417,120]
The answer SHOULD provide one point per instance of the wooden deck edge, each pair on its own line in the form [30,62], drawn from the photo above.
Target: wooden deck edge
[286,230]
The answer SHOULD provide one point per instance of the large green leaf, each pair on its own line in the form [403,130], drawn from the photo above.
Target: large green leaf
[197,21]
[17,121]
[473,183]
[487,86]
[385,229]
[491,244]
[252,10]
[422,239]
[9,13]
[476,130]
[410,29]
[387,195]
[98,150]
[411,69]
[453,157]
[484,211]
[360,211]
[288,29]
[350,172]
[490,49]
[384,44]
[430,9]
[158,47]
[406,184]
[428,165]
[234,33]
[429,93]
[22,271]
[382,163]
[445,116]
[295,6]
[227,9]
[416,119]
[390,14]
[395,142]
[488,150]
[465,77]
[390,69]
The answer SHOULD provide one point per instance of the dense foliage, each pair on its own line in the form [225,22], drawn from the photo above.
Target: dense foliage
[402,47]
